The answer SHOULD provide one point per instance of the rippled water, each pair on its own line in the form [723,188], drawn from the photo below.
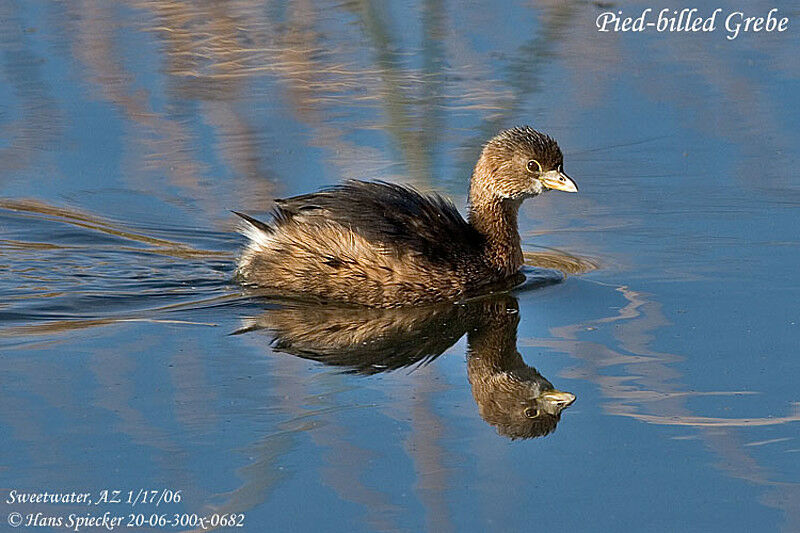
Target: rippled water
[128,131]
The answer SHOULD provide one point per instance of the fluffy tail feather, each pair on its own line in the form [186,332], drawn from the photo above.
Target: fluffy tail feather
[266,228]
[259,233]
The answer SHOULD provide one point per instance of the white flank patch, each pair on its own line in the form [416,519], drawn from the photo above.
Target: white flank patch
[259,239]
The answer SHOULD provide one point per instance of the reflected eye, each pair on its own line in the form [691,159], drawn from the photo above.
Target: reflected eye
[531,412]
[534,166]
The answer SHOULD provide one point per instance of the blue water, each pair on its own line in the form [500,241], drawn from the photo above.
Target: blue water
[129,131]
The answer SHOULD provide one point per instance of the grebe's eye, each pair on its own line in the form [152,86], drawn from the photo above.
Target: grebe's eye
[532,412]
[534,166]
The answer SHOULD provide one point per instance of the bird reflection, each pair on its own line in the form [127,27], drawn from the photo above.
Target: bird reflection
[512,396]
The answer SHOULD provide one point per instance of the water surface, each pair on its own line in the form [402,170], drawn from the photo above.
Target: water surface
[128,131]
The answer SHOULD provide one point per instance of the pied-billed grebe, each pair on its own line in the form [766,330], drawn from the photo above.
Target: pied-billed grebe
[384,245]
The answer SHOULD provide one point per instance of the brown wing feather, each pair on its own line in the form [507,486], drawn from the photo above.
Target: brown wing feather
[389,215]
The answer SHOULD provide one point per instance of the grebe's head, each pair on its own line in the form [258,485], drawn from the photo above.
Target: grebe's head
[519,163]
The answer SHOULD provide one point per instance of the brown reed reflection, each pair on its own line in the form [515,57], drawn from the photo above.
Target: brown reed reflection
[511,396]
[37,122]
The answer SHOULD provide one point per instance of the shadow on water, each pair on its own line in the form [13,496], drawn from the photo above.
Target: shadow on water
[511,395]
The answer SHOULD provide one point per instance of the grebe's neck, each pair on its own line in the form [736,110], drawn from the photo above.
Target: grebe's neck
[496,219]
[492,343]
